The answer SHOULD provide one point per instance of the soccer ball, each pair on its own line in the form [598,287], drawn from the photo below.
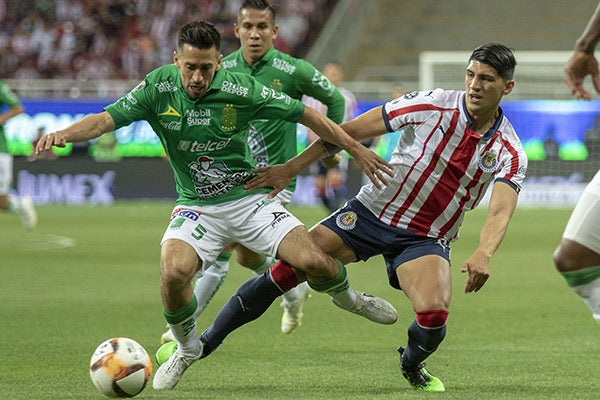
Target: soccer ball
[120,367]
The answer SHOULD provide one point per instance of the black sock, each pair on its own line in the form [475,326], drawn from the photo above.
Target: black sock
[249,302]
[422,342]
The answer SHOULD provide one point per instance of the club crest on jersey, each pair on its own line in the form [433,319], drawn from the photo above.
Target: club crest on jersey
[229,118]
[347,220]
[277,85]
[488,161]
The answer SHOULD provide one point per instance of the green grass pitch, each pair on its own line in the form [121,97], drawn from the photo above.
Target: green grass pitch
[90,273]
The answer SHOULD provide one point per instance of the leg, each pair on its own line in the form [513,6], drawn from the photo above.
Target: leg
[427,282]
[178,264]
[578,256]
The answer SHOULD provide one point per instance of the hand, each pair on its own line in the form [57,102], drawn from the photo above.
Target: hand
[579,66]
[373,166]
[47,141]
[478,271]
[276,176]
[331,161]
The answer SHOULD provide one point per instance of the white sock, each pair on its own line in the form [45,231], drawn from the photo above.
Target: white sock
[185,331]
[590,293]
[346,298]
[208,283]
[14,204]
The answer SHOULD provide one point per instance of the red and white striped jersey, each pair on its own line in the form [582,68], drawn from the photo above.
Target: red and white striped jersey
[442,167]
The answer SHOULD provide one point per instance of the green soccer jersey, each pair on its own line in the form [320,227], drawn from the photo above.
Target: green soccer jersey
[274,142]
[7,99]
[205,140]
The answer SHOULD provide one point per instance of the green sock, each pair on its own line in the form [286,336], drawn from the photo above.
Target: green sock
[581,276]
[263,265]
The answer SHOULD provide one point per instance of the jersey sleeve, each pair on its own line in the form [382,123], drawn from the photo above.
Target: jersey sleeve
[271,104]
[314,84]
[133,106]
[514,164]
[8,97]
[409,109]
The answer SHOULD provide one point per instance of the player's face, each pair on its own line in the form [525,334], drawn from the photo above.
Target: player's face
[197,68]
[485,88]
[256,32]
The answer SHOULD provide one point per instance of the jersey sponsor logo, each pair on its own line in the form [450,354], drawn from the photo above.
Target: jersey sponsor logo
[139,86]
[229,64]
[229,122]
[346,220]
[198,117]
[488,161]
[278,216]
[171,125]
[171,111]
[234,88]
[185,213]
[322,81]
[202,147]
[284,66]
[212,178]
[163,87]
[266,92]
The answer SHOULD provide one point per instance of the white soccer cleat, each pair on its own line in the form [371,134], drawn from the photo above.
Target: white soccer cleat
[292,304]
[169,374]
[373,308]
[167,337]
[28,214]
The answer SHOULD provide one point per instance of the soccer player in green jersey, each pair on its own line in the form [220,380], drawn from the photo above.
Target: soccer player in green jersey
[201,114]
[271,141]
[22,205]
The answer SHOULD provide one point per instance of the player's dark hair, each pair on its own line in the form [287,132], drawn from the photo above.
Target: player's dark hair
[498,56]
[199,34]
[258,5]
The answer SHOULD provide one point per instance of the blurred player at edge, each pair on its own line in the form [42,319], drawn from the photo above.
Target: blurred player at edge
[11,106]
[271,142]
[577,257]
[454,145]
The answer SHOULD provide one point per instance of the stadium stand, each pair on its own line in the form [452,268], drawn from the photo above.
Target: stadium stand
[125,39]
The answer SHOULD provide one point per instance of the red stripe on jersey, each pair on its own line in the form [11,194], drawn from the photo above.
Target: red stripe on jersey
[448,182]
[425,175]
[474,182]
[394,222]
[416,108]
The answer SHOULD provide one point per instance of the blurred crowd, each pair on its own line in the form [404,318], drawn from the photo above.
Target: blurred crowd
[125,39]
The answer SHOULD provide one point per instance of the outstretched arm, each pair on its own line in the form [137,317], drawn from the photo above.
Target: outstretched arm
[583,62]
[369,124]
[500,210]
[89,127]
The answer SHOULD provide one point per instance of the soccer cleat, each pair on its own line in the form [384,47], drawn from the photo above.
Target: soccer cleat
[420,379]
[292,304]
[167,337]
[168,374]
[28,214]
[165,352]
[373,308]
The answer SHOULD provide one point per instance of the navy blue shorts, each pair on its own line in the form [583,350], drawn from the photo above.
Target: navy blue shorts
[367,236]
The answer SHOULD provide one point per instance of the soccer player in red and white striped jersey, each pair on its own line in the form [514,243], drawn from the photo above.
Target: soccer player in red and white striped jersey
[453,146]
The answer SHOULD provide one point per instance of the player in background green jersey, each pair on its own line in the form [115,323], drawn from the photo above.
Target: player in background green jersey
[201,114]
[10,104]
[271,141]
